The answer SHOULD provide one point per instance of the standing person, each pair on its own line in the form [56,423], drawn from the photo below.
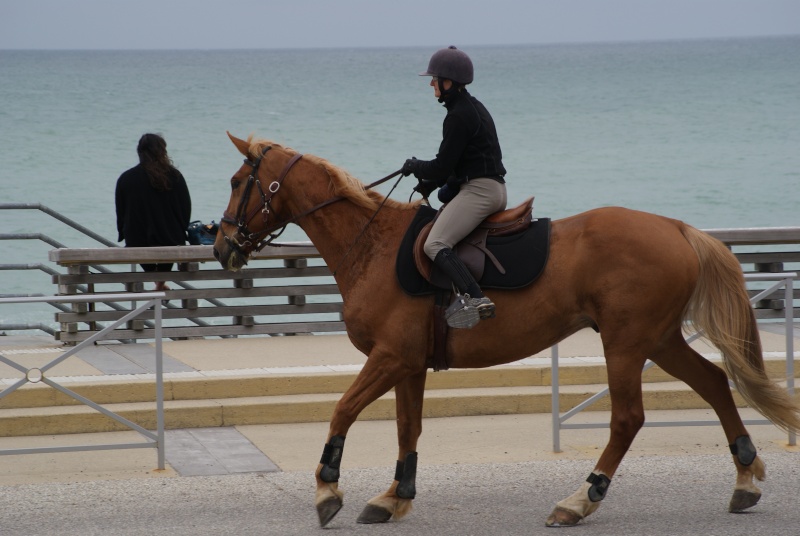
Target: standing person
[469,171]
[153,202]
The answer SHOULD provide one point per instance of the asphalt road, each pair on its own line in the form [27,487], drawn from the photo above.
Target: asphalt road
[664,495]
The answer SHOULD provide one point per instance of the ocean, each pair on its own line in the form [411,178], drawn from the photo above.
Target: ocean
[707,131]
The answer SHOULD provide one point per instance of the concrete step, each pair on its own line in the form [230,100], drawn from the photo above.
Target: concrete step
[242,396]
[237,384]
[318,407]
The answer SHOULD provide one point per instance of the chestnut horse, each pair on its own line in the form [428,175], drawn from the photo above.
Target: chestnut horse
[635,277]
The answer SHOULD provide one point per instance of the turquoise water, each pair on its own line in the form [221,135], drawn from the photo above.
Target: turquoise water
[704,131]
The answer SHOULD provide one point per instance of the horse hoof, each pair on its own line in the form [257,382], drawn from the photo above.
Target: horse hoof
[742,500]
[327,510]
[561,517]
[374,514]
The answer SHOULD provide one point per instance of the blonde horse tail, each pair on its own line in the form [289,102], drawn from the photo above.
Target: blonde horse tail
[720,307]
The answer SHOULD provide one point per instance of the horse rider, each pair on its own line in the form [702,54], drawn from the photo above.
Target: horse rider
[469,172]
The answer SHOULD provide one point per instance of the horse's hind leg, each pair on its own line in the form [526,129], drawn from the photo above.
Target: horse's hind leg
[711,383]
[627,418]
[396,501]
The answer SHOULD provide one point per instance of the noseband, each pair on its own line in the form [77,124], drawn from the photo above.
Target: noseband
[244,238]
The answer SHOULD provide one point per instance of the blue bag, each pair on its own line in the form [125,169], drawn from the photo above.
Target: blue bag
[202,234]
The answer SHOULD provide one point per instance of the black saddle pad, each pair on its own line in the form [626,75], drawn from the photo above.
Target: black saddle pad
[523,256]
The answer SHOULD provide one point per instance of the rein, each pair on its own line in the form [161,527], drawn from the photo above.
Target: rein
[341,198]
[241,222]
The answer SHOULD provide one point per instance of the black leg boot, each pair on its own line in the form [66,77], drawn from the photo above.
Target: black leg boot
[473,305]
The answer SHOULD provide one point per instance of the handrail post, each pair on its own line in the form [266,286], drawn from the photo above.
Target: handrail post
[788,308]
[555,410]
[158,308]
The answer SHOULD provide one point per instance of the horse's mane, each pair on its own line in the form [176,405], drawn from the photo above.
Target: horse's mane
[341,182]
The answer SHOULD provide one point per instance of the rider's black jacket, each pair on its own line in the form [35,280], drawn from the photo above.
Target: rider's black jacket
[469,149]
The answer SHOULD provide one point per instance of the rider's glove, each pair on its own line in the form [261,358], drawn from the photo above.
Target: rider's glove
[410,166]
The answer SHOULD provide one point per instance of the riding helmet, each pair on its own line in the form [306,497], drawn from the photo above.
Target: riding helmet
[452,64]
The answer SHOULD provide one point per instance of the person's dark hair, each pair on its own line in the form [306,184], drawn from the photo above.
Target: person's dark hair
[157,164]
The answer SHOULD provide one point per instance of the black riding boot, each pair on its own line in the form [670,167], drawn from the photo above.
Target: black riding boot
[473,305]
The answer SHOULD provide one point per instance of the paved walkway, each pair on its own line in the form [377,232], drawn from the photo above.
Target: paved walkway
[674,495]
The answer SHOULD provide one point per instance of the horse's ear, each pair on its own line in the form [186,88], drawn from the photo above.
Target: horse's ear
[242,145]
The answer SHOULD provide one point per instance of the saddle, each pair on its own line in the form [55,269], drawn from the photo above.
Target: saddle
[473,249]
[515,259]
[515,244]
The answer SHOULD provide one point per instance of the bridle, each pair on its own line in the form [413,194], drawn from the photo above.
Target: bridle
[244,238]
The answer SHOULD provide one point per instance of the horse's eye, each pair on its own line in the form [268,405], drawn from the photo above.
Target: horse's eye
[234,185]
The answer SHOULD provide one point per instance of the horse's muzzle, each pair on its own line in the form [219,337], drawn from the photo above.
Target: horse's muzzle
[230,258]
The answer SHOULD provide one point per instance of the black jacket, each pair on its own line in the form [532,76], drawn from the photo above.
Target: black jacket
[149,217]
[469,148]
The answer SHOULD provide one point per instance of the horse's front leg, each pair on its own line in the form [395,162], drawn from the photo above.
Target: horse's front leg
[396,501]
[380,373]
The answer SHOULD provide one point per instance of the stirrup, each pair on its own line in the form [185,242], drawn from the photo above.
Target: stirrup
[461,314]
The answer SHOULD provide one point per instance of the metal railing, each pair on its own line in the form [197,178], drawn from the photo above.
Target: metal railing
[784,280]
[46,269]
[38,266]
[60,217]
[38,374]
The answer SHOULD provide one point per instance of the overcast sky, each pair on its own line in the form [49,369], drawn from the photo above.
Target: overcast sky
[213,24]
